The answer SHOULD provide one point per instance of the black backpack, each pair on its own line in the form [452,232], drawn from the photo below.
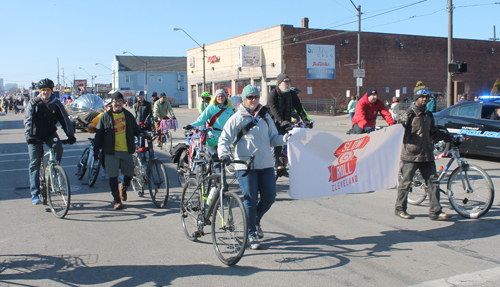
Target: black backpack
[177,151]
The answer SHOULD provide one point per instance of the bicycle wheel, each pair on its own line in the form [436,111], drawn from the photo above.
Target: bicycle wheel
[192,210]
[58,192]
[168,142]
[183,170]
[476,201]
[158,183]
[93,173]
[229,229]
[82,164]
[137,186]
[418,189]
[203,170]
[43,185]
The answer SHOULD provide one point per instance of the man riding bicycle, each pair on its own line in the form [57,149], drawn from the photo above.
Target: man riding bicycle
[42,115]
[367,110]
[161,109]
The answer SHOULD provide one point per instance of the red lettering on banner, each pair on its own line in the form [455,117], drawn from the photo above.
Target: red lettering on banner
[346,163]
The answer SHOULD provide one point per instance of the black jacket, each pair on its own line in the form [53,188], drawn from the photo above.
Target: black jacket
[105,135]
[420,131]
[41,119]
[276,110]
[143,111]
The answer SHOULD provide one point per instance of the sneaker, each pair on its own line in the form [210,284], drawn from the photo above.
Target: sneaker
[440,216]
[35,200]
[253,243]
[104,175]
[123,191]
[403,214]
[117,205]
[259,232]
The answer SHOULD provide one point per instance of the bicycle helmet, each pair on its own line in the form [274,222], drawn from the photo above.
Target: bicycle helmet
[205,95]
[46,83]
[295,89]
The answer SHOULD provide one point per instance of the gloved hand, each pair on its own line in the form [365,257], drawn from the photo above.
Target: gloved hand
[369,129]
[96,155]
[188,127]
[286,124]
[71,140]
[309,124]
[287,136]
[165,118]
[32,141]
[226,159]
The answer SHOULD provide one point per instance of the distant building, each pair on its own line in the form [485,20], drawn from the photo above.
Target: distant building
[10,86]
[1,84]
[164,75]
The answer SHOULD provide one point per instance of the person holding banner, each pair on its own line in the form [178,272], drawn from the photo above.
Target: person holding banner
[252,132]
[417,153]
[367,109]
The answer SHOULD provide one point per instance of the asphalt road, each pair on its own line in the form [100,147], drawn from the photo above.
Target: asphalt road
[341,240]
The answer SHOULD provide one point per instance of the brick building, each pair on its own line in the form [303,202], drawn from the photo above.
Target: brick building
[391,62]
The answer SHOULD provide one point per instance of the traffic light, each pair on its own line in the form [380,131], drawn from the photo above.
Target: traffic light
[457,67]
[462,67]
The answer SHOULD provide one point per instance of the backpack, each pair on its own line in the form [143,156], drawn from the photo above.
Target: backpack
[177,151]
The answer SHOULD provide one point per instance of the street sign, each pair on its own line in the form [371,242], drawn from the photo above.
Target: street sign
[359,82]
[358,73]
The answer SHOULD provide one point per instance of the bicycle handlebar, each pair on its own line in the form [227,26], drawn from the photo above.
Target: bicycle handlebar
[248,163]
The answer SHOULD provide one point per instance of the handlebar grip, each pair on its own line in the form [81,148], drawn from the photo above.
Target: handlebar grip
[248,164]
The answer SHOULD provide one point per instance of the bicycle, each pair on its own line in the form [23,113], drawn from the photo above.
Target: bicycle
[166,136]
[149,170]
[87,162]
[470,190]
[54,184]
[227,217]
[187,164]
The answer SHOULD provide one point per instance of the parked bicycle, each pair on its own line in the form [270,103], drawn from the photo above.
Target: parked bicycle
[54,184]
[149,170]
[470,190]
[187,164]
[227,217]
[166,136]
[88,164]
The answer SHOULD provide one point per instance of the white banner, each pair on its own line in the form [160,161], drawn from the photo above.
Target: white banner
[329,163]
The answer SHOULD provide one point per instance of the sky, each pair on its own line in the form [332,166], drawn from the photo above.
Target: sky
[35,34]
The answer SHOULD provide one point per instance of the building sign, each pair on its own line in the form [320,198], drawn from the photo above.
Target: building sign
[191,62]
[103,88]
[249,56]
[320,61]
[80,83]
[212,59]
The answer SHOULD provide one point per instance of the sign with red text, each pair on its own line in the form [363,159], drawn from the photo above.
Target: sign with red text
[213,58]
[329,163]
[249,56]
[320,61]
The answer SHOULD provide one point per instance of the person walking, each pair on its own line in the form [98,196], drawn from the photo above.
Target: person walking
[417,153]
[252,132]
[115,136]
[351,107]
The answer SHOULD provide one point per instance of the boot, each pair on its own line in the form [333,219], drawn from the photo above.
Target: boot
[123,191]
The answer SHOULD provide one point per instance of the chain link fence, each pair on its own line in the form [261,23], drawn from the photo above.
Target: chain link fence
[319,106]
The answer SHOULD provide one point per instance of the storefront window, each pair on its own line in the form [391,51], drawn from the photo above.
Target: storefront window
[258,84]
[225,86]
[241,85]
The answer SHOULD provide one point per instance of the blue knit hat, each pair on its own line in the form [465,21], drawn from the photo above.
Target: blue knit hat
[248,90]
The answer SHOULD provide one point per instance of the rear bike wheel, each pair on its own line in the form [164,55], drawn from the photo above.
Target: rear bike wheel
[58,192]
[418,189]
[82,164]
[43,185]
[192,210]
[475,201]
[229,229]
[158,183]
[94,171]
[137,184]
[183,170]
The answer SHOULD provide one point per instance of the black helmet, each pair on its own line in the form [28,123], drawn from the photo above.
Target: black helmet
[46,83]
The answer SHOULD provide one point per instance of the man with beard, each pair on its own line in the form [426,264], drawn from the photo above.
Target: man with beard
[281,102]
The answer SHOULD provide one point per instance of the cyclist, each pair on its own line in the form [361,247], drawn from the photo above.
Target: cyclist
[42,115]
[161,110]
[252,131]
[417,153]
[295,115]
[367,110]
[217,115]
[143,112]
[205,101]
[154,98]
[214,99]
[91,128]
[281,102]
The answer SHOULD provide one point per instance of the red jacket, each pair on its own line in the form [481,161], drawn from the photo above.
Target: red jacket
[366,113]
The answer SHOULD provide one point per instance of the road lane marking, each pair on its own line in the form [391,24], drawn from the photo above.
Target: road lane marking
[26,152]
[478,278]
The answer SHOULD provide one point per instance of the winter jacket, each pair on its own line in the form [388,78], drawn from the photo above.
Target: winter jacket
[366,113]
[209,113]
[351,107]
[256,141]
[105,134]
[143,112]
[420,131]
[431,105]
[38,124]
[278,111]
[161,110]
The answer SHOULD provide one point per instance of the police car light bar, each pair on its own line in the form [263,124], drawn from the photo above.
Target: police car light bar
[489,98]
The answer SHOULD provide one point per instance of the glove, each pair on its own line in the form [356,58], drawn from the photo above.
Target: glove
[188,127]
[225,159]
[165,118]
[71,140]
[96,155]
[32,141]
[369,129]
[287,136]
[309,124]
[286,124]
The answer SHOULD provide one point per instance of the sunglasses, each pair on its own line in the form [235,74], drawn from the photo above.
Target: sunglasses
[253,97]
[287,81]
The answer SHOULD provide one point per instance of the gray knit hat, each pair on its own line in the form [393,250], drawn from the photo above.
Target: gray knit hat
[220,91]
[281,78]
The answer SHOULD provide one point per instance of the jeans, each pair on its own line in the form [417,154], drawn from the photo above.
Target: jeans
[36,153]
[259,180]
[428,171]
[351,115]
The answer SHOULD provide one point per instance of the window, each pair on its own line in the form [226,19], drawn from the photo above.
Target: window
[151,78]
[467,111]
[160,78]
[404,90]
[488,112]
[127,79]
[241,85]
[183,79]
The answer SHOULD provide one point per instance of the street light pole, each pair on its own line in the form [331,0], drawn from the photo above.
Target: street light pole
[449,96]
[145,71]
[112,73]
[359,45]
[92,77]
[203,50]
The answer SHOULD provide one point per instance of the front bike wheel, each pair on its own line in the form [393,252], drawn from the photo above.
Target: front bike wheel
[43,185]
[58,192]
[470,191]
[183,170]
[94,171]
[229,229]
[168,142]
[82,164]
[192,210]
[418,189]
[158,183]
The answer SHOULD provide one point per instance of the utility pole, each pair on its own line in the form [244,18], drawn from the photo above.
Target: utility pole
[359,45]
[449,96]
[494,35]
[58,80]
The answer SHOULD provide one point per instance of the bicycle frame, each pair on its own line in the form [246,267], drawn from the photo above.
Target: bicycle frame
[462,163]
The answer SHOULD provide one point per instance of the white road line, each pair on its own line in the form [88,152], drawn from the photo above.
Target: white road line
[27,159]
[26,152]
[479,278]
[26,169]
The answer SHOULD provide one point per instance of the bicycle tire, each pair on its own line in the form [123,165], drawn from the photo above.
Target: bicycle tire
[93,172]
[59,192]
[418,189]
[82,165]
[203,170]
[168,142]
[229,229]
[470,204]
[137,186]
[192,210]
[158,183]
[43,185]
[183,170]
